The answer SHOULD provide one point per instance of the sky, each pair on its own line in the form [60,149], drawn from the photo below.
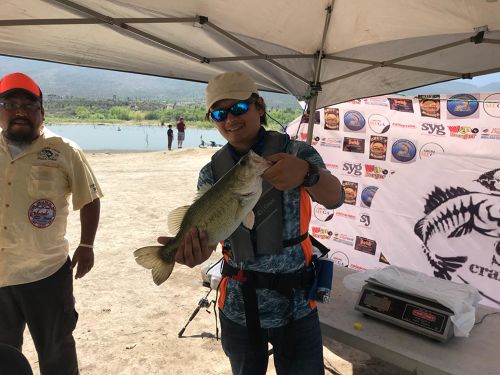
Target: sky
[483,80]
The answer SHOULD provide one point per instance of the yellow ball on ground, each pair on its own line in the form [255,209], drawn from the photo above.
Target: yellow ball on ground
[358,326]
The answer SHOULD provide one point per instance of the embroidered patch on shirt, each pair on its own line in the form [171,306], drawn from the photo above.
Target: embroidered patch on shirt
[42,213]
[48,153]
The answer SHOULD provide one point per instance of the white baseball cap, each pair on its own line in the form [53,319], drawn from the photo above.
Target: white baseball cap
[231,85]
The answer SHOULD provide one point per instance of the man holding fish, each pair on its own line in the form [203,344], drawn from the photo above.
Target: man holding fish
[255,199]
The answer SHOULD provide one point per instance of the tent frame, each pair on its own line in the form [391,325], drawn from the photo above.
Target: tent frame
[124,26]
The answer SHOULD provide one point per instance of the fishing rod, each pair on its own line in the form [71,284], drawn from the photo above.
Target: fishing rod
[203,303]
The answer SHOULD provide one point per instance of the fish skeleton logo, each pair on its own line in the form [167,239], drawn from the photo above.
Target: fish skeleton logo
[457,212]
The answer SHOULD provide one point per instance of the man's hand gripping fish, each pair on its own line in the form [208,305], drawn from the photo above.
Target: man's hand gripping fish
[218,210]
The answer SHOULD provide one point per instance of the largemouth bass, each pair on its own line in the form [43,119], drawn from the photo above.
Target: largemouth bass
[218,210]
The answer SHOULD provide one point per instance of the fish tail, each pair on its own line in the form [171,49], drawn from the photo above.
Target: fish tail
[150,257]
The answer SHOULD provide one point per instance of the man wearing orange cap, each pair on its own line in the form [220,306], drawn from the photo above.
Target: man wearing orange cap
[40,171]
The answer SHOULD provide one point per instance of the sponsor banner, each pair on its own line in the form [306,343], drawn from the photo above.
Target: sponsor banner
[383,150]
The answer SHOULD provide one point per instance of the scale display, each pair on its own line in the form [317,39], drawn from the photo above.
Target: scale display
[411,312]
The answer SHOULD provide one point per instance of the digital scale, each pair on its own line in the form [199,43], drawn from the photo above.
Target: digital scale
[415,313]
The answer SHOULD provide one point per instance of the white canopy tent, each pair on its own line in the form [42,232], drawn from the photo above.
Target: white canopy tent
[323,51]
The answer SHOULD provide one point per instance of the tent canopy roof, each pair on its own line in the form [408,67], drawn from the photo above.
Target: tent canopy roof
[346,49]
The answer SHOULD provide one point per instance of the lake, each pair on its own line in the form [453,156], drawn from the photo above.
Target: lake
[131,138]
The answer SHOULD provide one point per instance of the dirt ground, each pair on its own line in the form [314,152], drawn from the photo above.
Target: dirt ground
[127,324]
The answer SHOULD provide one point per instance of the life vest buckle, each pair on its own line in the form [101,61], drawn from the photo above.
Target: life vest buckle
[240,276]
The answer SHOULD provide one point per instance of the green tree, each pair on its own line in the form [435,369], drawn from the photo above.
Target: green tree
[120,113]
[82,112]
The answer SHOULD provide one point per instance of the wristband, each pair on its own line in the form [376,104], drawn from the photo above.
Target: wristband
[85,245]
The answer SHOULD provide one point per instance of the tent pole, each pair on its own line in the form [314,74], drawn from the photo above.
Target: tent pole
[311,107]
[315,85]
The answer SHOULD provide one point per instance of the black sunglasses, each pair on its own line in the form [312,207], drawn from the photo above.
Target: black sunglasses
[236,109]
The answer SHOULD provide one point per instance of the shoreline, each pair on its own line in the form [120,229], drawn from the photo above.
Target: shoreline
[120,124]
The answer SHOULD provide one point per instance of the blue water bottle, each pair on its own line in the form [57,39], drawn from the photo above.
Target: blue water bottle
[322,285]
[324,276]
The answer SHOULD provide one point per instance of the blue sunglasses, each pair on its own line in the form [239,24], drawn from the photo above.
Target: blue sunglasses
[236,109]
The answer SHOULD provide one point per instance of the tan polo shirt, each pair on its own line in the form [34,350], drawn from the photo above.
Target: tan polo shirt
[35,188]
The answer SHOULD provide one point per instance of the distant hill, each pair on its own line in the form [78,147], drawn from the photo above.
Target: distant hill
[454,87]
[67,80]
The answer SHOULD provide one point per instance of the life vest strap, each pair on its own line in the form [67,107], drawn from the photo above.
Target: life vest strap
[296,240]
[252,280]
[281,282]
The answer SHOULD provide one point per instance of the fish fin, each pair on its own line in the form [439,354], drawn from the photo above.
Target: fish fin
[446,265]
[175,217]
[249,220]
[439,196]
[201,191]
[149,257]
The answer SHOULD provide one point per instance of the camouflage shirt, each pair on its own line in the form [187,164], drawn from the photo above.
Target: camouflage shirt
[275,309]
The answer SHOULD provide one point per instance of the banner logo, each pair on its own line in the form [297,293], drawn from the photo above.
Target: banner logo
[383,259]
[379,124]
[365,245]
[401,105]
[332,119]
[354,145]
[321,233]
[403,150]
[491,105]
[367,195]
[429,149]
[351,192]
[429,128]
[378,147]
[330,142]
[340,259]
[430,106]
[462,105]
[343,239]
[354,121]
[365,221]
[322,214]
[378,173]
[352,169]
[464,132]
[443,218]
[345,215]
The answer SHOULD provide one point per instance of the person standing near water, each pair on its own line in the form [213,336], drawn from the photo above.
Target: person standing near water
[181,128]
[170,137]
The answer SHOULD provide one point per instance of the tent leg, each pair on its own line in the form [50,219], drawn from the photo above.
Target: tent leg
[311,107]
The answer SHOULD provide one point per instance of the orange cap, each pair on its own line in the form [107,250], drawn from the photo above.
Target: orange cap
[19,81]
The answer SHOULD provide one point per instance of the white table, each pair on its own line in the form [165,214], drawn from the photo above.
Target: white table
[479,354]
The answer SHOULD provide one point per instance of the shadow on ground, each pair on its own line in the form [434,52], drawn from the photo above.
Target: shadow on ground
[341,359]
